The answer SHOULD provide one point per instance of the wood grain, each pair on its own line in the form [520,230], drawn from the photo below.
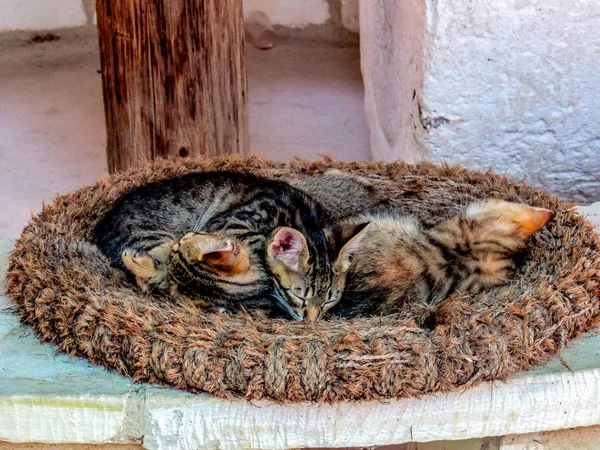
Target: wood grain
[174,79]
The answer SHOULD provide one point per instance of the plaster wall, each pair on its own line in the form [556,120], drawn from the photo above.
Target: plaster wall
[514,85]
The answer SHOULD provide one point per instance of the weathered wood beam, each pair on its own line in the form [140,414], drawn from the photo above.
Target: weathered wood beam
[173,78]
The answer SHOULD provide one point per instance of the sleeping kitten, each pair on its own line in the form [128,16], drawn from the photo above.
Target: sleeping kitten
[390,258]
[399,261]
[303,280]
[214,227]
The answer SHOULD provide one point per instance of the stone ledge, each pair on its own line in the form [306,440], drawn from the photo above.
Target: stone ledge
[54,398]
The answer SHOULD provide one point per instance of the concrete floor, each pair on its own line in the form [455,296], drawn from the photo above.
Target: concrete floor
[305,99]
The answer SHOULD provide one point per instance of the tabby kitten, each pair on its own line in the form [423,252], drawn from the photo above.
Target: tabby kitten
[378,281]
[399,261]
[214,226]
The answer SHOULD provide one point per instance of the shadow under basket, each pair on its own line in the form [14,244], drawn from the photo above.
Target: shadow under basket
[64,287]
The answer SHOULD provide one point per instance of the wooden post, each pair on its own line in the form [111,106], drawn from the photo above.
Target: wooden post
[173,78]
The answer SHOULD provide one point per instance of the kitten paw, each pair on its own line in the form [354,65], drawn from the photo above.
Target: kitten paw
[149,268]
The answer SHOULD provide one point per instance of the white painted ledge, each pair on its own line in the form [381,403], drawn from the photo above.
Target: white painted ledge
[49,397]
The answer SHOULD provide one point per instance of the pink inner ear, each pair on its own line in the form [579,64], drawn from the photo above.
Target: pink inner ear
[288,245]
[283,242]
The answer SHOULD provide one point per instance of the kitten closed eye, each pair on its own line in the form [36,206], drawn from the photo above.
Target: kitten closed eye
[310,282]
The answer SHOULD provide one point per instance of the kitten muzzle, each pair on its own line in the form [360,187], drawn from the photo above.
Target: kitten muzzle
[312,314]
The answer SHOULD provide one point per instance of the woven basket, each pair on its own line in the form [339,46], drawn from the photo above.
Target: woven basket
[65,289]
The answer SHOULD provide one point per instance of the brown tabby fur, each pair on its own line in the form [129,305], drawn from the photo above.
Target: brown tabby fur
[204,236]
[400,262]
[397,261]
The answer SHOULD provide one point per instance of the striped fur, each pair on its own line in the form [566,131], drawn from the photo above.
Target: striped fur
[204,236]
[404,259]
[399,261]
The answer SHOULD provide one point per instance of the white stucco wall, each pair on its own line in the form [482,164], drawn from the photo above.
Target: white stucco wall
[515,85]
[53,14]
[302,13]
[45,14]
[291,13]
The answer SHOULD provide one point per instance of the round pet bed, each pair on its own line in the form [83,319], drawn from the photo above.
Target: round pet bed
[64,287]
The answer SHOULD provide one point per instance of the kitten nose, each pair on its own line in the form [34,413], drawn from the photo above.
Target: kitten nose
[312,314]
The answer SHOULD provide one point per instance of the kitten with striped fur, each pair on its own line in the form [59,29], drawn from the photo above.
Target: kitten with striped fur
[303,280]
[396,260]
[236,249]
[229,240]
[399,261]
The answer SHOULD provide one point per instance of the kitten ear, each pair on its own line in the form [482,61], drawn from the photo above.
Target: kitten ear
[221,253]
[529,219]
[350,238]
[288,246]
[532,219]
